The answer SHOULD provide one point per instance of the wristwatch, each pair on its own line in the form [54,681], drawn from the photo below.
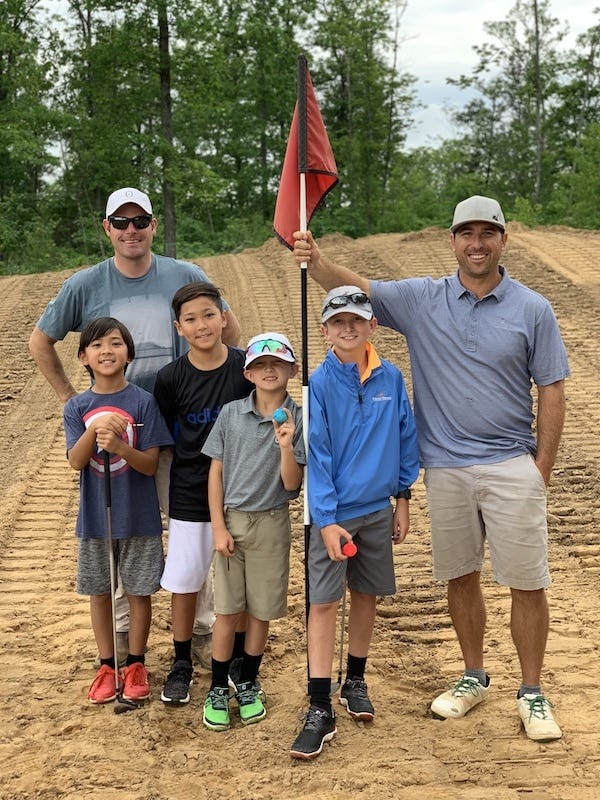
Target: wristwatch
[406,494]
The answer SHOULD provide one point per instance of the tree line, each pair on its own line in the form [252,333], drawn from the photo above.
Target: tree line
[192,101]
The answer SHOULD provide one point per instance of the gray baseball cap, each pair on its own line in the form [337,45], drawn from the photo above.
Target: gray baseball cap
[478,209]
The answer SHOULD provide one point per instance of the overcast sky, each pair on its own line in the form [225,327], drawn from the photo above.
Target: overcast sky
[440,35]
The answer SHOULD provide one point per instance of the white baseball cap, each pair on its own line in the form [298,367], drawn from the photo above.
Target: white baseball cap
[127,195]
[269,344]
[350,299]
[478,209]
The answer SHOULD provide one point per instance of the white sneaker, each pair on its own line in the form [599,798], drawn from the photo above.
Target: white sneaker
[536,714]
[466,693]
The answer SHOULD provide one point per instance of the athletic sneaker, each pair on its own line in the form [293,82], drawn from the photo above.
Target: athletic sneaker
[251,707]
[176,688]
[202,649]
[235,678]
[103,688]
[356,700]
[216,709]
[319,727]
[535,711]
[135,682]
[466,693]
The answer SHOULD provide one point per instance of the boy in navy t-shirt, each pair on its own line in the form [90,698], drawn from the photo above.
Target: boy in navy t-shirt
[118,417]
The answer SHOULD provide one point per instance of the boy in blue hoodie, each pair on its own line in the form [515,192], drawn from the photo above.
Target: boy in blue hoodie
[362,452]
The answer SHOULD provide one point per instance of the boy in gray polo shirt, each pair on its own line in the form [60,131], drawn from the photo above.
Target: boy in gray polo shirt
[256,470]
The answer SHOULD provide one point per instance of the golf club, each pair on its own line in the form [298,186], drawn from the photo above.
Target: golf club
[350,550]
[121,704]
[335,685]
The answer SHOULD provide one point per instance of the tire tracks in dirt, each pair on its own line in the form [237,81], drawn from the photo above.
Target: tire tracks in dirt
[54,745]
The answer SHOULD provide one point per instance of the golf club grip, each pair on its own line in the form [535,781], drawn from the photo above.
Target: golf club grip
[106,459]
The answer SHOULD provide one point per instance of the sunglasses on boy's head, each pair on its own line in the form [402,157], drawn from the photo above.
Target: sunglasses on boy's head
[358,299]
[269,346]
[139,223]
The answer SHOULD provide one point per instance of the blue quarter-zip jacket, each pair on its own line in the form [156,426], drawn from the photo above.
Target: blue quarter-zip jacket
[362,440]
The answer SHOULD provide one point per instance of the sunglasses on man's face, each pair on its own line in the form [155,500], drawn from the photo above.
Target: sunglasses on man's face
[269,347]
[139,223]
[358,299]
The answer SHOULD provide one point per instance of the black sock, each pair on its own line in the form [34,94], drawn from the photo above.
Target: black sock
[319,690]
[355,667]
[183,650]
[220,671]
[238,644]
[108,662]
[250,667]
[131,659]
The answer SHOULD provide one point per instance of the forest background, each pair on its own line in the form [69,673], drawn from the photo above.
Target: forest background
[192,102]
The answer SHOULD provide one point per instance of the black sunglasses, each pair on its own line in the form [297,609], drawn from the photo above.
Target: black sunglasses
[139,223]
[358,299]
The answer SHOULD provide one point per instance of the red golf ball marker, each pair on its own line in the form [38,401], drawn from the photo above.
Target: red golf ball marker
[349,549]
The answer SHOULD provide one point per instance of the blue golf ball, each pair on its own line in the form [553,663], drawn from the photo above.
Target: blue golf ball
[279,416]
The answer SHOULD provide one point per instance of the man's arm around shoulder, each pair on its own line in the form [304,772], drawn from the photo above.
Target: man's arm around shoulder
[43,351]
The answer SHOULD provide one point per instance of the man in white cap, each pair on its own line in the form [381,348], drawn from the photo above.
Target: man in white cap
[136,287]
[477,339]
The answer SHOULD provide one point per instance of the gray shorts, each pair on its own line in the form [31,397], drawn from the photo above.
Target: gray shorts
[504,503]
[255,577]
[370,571]
[139,561]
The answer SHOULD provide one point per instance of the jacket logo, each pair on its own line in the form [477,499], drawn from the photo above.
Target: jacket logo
[381,397]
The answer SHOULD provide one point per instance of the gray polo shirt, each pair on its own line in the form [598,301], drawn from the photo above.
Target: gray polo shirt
[473,362]
[245,442]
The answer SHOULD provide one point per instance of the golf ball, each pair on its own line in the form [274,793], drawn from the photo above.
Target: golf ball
[349,549]
[279,416]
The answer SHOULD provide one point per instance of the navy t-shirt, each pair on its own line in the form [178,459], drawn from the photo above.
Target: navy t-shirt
[134,501]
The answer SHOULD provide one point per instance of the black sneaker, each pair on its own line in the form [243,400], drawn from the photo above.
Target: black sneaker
[356,700]
[176,688]
[319,727]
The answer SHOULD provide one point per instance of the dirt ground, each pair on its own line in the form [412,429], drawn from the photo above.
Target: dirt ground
[54,745]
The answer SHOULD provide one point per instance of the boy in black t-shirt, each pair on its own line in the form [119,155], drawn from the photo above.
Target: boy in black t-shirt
[190,392]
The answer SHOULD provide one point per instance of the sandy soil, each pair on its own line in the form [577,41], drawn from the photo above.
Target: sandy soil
[54,745]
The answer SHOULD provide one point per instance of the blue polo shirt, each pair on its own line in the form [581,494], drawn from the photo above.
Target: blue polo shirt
[473,362]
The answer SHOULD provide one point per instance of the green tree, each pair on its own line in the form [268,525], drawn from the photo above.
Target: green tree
[367,105]
[26,126]
[517,77]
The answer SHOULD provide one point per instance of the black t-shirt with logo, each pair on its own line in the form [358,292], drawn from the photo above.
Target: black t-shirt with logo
[190,401]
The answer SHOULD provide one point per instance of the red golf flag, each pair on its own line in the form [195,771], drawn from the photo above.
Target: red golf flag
[308,151]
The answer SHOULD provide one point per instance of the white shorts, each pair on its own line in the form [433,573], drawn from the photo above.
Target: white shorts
[189,556]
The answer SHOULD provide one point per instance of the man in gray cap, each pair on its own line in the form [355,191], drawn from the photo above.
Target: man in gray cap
[136,287]
[477,339]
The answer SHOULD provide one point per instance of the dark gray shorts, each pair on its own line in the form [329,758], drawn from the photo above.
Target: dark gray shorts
[139,561]
[370,571]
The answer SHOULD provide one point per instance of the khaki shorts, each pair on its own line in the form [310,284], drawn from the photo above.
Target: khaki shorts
[504,503]
[255,577]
